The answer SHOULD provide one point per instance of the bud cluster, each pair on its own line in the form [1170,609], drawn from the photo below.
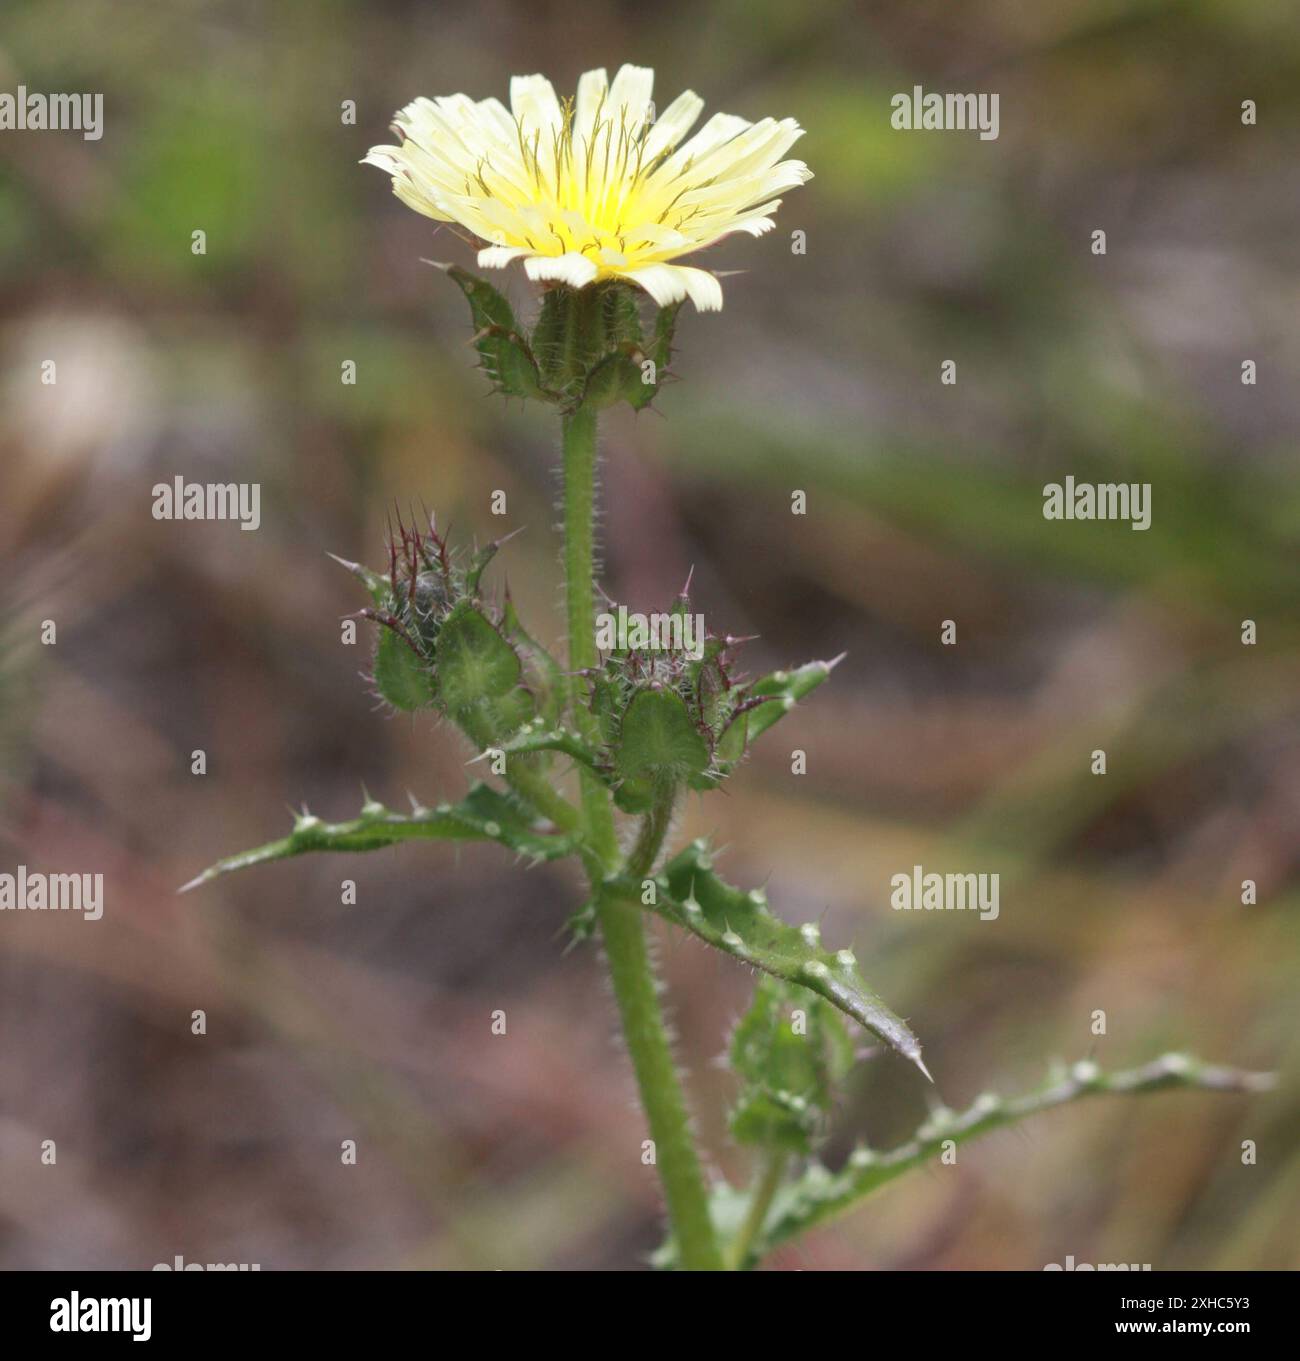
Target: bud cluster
[671,715]
[654,719]
[441,645]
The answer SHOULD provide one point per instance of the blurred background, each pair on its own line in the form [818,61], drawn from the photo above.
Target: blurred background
[372,1021]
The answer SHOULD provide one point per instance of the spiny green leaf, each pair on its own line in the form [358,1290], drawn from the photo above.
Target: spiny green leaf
[658,746]
[582,924]
[378,586]
[693,896]
[479,562]
[546,677]
[791,1050]
[402,677]
[484,814]
[820,1194]
[487,306]
[782,690]
[537,737]
[509,364]
[507,358]
[479,677]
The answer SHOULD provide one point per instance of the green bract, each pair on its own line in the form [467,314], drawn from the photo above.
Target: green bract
[586,349]
[658,748]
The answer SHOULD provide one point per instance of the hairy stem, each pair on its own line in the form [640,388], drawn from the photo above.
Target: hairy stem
[771,1173]
[650,839]
[543,796]
[621,924]
[579,579]
[522,776]
[580,534]
[661,1094]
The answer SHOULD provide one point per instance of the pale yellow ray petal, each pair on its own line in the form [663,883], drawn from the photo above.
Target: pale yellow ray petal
[535,106]
[498,257]
[671,283]
[673,124]
[572,269]
[659,238]
[702,288]
[719,130]
[630,94]
[756,148]
[413,197]
[593,86]
[751,226]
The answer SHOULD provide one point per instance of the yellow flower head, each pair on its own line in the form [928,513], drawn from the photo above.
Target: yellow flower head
[597,187]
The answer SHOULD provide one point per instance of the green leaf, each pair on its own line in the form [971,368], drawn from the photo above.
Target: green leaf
[821,1194]
[537,737]
[782,691]
[693,896]
[658,746]
[478,563]
[401,677]
[507,359]
[791,1050]
[479,677]
[484,814]
[766,702]
[378,586]
[545,676]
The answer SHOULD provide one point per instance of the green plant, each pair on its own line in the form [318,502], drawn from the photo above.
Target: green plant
[647,718]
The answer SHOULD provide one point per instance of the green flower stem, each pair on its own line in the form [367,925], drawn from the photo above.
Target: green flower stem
[771,1173]
[579,576]
[580,533]
[661,1094]
[650,839]
[540,793]
[622,929]
[525,780]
